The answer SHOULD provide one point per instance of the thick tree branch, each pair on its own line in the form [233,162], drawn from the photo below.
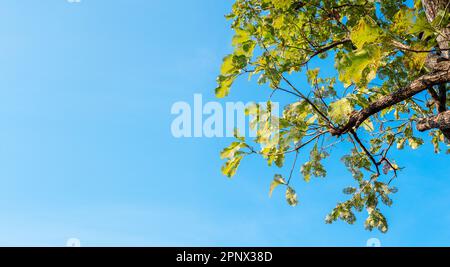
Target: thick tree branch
[440,121]
[417,86]
[436,63]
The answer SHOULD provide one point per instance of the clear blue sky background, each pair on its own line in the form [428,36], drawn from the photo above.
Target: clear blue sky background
[86,149]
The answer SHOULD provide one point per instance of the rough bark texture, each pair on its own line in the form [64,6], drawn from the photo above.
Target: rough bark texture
[440,121]
[436,63]
[417,86]
[432,8]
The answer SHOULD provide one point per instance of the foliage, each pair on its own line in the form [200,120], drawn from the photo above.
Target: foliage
[378,47]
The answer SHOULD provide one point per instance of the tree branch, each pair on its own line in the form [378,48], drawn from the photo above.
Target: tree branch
[415,87]
[369,155]
[324,49]
[440,121]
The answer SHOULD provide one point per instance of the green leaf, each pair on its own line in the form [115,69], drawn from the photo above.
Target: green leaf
[365,32]
[229,152]
[359,66]
[225,82]
[340,110]
[416,61]
[291,197]
[422,25]
[401,144]
[243,43]
[306,171]
[312,75]
[277,180]
[230,167]
[349,190]
[282,4]
[240,37]
[414,143]
[227,65]
[404,20]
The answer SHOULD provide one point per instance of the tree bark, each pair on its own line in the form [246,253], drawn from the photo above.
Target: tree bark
[432,8]
[415,87]
[440,121]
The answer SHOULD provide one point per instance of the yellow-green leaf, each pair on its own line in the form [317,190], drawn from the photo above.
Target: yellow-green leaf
[229,152]
[414,143]
[365,32]
[282,4]
[240,37]
[277,180]
[227,65]
[353,66]
[223,89]
[230,167]
[291,197]
[340,110]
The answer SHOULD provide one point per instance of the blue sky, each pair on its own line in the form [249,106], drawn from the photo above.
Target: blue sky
[86,149]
